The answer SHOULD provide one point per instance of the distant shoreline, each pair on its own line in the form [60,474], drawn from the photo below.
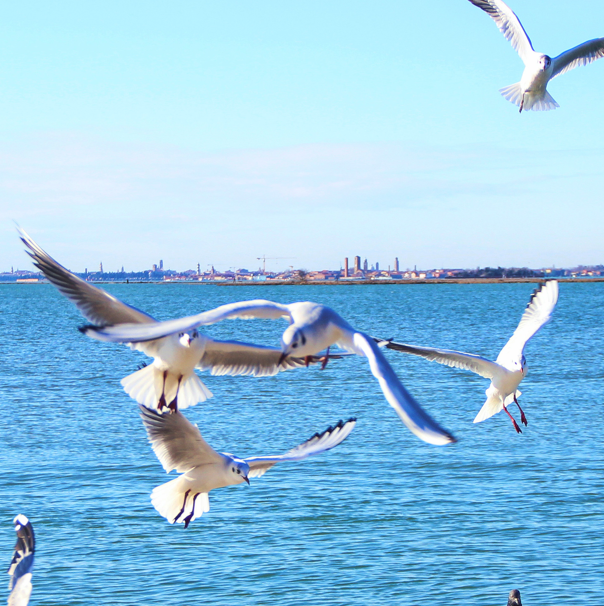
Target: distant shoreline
[333,282]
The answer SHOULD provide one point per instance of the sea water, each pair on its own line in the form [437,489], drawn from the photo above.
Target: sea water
[382,519]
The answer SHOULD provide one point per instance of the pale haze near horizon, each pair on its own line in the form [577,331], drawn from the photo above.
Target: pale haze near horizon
[218,133]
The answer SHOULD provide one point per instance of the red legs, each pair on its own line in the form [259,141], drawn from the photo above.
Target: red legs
[187,520]
[513,420]
[325,359]
[183,506]
[173,406]
[522,415]
[162,399]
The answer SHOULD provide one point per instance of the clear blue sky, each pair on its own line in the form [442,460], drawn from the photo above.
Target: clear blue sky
[219,132]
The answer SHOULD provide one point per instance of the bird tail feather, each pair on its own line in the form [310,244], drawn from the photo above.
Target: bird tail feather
[494,404]
[145,386]
[175,502]
[514,94]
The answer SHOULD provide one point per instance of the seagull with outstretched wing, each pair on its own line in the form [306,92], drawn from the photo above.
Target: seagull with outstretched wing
[510,368]
[530,92]
[170,381]
[22,563]
[312,329]
[179,446]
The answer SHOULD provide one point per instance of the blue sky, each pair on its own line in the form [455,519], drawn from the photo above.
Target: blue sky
[215,133]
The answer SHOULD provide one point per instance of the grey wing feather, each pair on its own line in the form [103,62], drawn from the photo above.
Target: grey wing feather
[245,310]
[316,444]
[22,563]
[537,313]
[176,441]
[236,358]
[95,304]
[509,25]
[455,359]
[579,55]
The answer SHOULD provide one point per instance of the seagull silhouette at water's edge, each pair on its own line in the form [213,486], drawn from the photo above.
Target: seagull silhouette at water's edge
[179,446]
[313,328]
[530,93]
[510,368]
[170,381]
[22,562]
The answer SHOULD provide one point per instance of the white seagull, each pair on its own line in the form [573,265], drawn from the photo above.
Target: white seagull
[312,329]
[510,368]
[179,445]
[530,92]
[22,563]
[170,381]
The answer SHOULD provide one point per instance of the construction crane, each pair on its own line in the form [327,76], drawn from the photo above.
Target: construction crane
[263,258]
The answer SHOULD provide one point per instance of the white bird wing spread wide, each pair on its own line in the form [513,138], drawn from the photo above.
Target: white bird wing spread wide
[95,304]
[580,55]
[456,359]
[236,358]
[537,313]
[22,563]
[318,443]
[176,441]
[127,333]
[509,25]
[415,418]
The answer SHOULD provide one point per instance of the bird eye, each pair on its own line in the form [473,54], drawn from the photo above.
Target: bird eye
[294,345]
[233,468]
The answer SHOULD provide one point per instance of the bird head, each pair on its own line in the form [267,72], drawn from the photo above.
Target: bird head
[292,341]
[545,62]
[186,338]
[239,471]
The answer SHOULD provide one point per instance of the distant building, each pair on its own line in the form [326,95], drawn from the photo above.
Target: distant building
[396,264]
[357,264]
[346,267]
[365,265]
[161,264]
[101,267]
[377,266]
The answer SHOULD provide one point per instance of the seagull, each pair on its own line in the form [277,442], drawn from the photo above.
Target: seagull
[539,69]
[179,445]
[170,381]
[514,598]
[22,563]
[313,328]
[510,368]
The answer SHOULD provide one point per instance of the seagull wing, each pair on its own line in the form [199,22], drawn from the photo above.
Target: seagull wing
[456,359]
[95,305]
[320,442]
[176,441]
[127,333]
[580,55]
[509,25]
[537,313]
[235,358]
[416,419]
[22,563]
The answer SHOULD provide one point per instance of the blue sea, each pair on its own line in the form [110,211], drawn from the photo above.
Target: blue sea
[382,519]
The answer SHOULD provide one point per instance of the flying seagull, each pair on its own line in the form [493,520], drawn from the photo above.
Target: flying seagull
[510,368]
[530,92]
[170,381]
[22,563]
[313,328]
[179,445]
